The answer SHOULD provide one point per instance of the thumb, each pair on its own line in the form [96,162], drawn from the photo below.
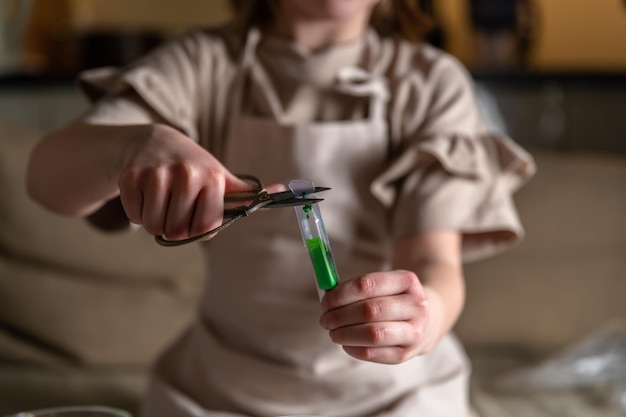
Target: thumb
[234,183]
[276,188]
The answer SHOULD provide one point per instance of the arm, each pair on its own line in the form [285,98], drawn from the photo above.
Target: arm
[390,317]
[74,171]
[124,149]
[436,259]
[164,180]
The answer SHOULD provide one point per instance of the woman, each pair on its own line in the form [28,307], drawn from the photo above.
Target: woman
[341,92]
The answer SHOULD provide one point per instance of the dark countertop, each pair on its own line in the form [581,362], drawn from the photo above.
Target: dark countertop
[567,78]
[595,78]
[32,81]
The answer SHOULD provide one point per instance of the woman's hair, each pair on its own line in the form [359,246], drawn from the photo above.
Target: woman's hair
[395,18]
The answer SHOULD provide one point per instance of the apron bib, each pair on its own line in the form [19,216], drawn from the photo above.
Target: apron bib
[267,268]
[259,348]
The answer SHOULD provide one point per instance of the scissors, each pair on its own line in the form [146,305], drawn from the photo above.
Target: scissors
[257,198]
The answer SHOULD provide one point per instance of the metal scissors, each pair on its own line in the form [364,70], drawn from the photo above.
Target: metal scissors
[256,199]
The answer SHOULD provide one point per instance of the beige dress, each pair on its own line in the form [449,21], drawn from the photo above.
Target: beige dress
[394,129]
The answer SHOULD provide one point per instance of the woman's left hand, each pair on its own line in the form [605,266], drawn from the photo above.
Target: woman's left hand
[380,317]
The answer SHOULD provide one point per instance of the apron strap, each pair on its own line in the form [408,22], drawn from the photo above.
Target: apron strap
[358,82]
[253,37]
[363,81]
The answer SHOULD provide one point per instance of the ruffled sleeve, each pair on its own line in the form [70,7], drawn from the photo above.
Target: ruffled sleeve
[162,86]
[449,172]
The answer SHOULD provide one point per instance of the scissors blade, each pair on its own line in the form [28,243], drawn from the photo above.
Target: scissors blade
[294,202]
[275,200]
[320,189]
[286,195]
[289,198]
[286,202]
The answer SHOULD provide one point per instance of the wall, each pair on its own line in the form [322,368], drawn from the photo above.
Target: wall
[587,34]
[576,34]
[168,15]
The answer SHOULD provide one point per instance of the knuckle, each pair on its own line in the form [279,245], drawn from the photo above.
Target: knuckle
[403,355]
[327,321]
[417,330]
[147,178]
[368,354]
[420,304]
[185,173]
[335,336]
[411,279]
[156,177]
[128,179]
[377,334]
[366,285]
[372,310]
[213,178]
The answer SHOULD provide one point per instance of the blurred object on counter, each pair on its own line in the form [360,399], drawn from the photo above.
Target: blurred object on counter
[597,362]
[75,411]
[61,40]
[14,17]
[504,32]
[436,35]
[104,47]
[565,111]
[50,44]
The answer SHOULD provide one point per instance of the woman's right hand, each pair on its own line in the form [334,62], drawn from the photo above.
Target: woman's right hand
[172,186]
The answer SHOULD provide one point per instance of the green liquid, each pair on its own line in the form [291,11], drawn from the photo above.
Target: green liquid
[323,264]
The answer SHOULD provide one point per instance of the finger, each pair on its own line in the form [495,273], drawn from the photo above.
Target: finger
[370,286]
[276,188]
[131,198]
[132,203]
[156,198]
[388,355]
[389,333]
[182,204]
[233,183]
[179,214]
[207,213]
[379,309]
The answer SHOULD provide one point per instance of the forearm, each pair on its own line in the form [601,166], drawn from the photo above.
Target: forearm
[444,286]
[435,257]
[74,171]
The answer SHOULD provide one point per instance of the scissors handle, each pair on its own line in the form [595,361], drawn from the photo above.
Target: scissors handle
[229,220]
[252,200]
[230,215]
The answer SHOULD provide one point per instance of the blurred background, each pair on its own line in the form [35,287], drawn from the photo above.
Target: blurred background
[532,34]
[556,58]
[549,73]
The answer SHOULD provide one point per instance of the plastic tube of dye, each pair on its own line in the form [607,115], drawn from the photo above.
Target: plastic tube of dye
[315,238]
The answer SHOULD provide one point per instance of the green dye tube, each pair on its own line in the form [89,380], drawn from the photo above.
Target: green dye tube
[317,244]
[323,264]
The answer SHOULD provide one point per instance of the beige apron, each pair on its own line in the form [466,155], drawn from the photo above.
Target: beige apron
[258,348]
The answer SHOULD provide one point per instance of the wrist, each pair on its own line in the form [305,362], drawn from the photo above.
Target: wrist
[132,140]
